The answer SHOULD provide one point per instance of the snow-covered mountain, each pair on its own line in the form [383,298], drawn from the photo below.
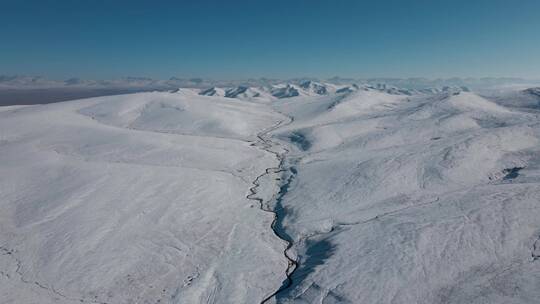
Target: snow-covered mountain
[314,87]
[213,91]
[278,91]
[290,192]
[410,199]
[306,88]
[528,98]
[135,199]
[244,92]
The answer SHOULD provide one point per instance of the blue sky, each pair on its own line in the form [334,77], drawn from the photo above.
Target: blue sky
[281,39]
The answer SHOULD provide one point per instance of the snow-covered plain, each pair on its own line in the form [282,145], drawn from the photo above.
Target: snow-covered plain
[384,196]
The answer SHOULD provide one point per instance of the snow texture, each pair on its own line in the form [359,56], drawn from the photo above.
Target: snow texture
[302,192]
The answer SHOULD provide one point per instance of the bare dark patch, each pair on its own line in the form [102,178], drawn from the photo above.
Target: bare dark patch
[511,173]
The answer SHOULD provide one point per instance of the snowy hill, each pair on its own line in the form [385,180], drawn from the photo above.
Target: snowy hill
[295,192]
[285,91]
[393,199]
[528,98]
[134,198]
[213,91]
[314,87]
[279,91]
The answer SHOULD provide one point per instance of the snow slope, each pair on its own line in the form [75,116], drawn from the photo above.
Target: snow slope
[528,98]
[422,199]
[135,199]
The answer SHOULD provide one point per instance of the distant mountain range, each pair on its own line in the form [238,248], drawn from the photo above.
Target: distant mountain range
[310,84]
[17,90]
[310,88]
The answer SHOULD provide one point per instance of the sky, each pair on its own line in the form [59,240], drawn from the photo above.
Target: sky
[270,38]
